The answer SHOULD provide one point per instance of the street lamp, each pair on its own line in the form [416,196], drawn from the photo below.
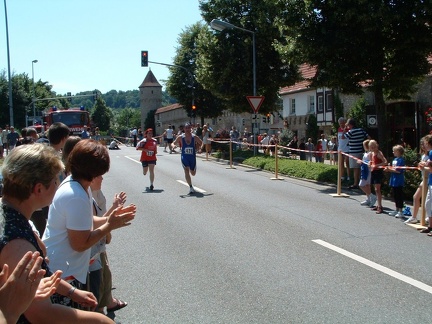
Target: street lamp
[11,116]
[33,100]
[221,25]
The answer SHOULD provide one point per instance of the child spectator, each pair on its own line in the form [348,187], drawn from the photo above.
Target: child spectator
[377,173]
[418,194]
[397,180]
[428,163]
[365,177]
[332,147]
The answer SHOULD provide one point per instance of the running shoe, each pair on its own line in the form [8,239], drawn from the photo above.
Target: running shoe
[365,203]
[191,190]
[411,220]
[151,187]
[399,215]
[393,213]
[372,199]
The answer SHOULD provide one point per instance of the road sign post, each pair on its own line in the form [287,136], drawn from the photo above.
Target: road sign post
[255,102]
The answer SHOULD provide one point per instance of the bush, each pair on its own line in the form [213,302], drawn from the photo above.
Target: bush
[328,173]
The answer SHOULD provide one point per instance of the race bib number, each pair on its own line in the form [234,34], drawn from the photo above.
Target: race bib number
[188,150]
[150,153]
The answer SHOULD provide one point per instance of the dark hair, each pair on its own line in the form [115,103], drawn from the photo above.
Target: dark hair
[88,160]
[31,132]
[352,122]
[57,132]
[67,148]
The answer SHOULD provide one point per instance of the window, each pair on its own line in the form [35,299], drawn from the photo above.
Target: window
[293,107]
[329,102]
[320,103]
[311,104]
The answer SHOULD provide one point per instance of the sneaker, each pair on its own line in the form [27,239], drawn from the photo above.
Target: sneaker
[393,213]
[365,203]
[411,220]
[399,215]
[372,199]
[191,190]
[151,187]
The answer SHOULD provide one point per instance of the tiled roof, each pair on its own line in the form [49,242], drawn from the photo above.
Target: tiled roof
[150,81]
[307,72]
[168,108]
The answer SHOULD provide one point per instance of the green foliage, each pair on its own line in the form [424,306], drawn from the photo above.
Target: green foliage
[285,137]
[125,119]
[150,120]
[312,128]
[101,115]
[117,99]
[339,112]
[295,168]
[412,177]
[358,113]
[381,45]
[225,59]
[324,172]
[182,84]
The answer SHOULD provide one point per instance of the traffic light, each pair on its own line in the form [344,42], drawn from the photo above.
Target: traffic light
[144,58]
[193,111]
[264,119]
[69,95]
[268,118]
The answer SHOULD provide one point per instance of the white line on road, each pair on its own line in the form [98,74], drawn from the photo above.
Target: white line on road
[180,181]
[127,157]
[196,188]
[376,266]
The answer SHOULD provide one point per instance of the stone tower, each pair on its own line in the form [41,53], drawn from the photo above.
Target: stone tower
[150,96]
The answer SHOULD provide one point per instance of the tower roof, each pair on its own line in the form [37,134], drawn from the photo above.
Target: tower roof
[150,81]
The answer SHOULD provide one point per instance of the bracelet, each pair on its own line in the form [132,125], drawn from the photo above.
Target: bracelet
[70,292]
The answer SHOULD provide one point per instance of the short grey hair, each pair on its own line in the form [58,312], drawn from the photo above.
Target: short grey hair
[341,119]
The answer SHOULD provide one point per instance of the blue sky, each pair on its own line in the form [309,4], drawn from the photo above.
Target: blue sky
[84,45]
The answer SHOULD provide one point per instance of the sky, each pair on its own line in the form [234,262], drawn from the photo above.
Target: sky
[82,45]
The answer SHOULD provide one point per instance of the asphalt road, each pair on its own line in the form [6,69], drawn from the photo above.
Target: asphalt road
[248,249]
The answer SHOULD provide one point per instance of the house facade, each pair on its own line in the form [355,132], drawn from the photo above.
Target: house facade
[405,118]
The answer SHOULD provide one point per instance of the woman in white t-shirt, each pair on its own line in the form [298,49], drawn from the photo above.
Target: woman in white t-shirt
[71,227]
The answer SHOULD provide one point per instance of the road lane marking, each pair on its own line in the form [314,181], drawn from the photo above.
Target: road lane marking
[180,181]
[127,157]
[376,266]
[196,188]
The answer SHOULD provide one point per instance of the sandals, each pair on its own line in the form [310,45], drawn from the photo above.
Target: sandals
[119,305]
[379,210]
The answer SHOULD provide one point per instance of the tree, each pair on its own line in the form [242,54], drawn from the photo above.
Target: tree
[381,46]
[101,115]
[181,83]
[225,58]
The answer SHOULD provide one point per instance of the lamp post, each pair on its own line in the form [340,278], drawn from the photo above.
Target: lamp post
[11,117]
[221,25]
[33,100]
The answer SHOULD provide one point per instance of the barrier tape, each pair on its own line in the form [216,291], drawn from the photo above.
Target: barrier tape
[315,152]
